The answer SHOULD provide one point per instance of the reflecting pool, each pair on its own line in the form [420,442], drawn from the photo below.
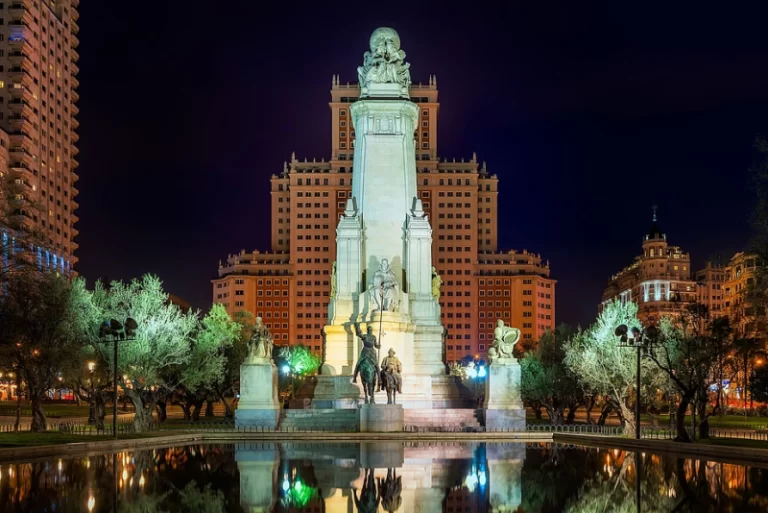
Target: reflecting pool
[377,477]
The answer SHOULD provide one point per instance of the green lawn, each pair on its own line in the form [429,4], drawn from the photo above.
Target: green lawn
[725,422]
[52,411]
[53,438]
[55,411]
[735,442]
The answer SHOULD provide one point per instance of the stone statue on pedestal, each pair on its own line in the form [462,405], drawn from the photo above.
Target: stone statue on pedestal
[391,380]
[258,406]
[504,340]
[261,344]
[437,281]
[504,410]
[385,63]
[367,365]
[384,288]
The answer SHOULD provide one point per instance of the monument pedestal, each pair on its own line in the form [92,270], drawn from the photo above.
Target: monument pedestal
[504,410]
[381,418]
[259,406]
[381,454]
[258,466]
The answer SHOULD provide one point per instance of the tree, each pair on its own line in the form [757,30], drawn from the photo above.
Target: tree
[300,360]
[746,351]
[44,319]
[225,387]
[693,360]
[301,363]
[547,381]
[148,365]
[206,365]
[759,384]
[77,377]
[601,366]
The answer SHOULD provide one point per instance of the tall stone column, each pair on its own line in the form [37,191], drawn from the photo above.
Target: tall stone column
[384,179]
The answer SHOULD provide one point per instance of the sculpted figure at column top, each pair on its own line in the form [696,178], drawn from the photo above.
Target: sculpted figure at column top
[385,62]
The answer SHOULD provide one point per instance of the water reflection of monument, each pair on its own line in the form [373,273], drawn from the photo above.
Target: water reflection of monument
[380,477]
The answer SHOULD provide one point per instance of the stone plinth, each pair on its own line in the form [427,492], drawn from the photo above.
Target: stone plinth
[258,467]
[505,465]
[381,454]
[258,406]
[504,410]
[381,418]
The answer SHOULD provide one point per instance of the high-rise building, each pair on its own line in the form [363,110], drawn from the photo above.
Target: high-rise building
[739,277]
[710,286]
[290,286]
[38,68]
[658,281]
[723,289]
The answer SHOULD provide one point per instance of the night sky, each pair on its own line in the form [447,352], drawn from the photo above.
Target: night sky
[588,117]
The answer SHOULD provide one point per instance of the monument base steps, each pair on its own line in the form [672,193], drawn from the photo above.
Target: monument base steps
[319,420]
[449,420]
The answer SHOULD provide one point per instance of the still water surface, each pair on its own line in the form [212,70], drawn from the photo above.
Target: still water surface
[377,477]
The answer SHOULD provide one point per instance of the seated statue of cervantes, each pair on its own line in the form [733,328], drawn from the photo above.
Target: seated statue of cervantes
[384,289]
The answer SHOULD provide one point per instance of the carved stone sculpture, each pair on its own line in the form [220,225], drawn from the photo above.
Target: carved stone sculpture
[384,288]
[334,279]
[385,62]
[391,380]
[437,281]
[261,344]
[504,340]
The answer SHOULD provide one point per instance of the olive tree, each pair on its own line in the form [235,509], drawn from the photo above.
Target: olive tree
[44,319]
[208,358]
[546,380]
[148,362]
[601,365]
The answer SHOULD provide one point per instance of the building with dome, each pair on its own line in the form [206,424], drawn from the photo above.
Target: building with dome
[659,280]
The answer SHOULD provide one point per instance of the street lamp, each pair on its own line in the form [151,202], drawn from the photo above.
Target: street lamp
[637,339]
[119,333]
[91,409]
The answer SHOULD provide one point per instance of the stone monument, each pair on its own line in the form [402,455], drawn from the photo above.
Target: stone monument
[504,408]
[258,406]
[258,466]
[384,277]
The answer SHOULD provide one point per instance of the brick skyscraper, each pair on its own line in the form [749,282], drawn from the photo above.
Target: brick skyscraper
[38,65]
[290,286]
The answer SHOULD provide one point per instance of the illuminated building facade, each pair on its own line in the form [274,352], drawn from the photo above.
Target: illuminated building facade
[290,286]
[38,68]
[658,281]
[739,276]
[710,286]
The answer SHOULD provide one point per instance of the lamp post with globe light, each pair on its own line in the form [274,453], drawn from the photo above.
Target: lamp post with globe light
[118,333]
[639,340]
